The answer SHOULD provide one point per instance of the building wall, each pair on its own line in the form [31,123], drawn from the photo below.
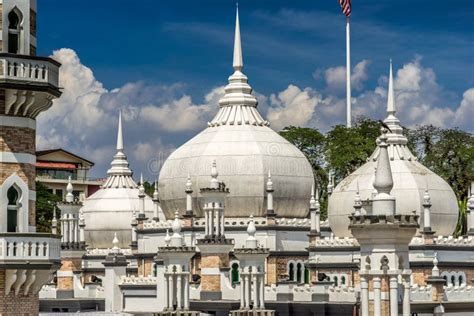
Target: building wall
[16,305]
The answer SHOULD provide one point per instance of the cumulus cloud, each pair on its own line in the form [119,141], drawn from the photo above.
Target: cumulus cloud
[335,77]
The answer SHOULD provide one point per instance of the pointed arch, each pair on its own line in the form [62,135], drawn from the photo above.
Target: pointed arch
[22,202]
[15,31]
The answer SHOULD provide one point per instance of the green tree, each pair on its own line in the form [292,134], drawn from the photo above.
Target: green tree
[45,201]
[348,148]
[312,143]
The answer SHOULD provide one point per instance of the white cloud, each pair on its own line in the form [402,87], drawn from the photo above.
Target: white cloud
[335,77]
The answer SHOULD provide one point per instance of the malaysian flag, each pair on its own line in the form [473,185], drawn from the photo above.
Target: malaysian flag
[346,7]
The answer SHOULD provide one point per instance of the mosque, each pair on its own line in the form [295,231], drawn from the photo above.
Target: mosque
[234,224]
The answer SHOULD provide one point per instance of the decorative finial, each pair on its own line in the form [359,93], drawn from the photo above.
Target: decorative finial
[269,182]
[141,187]
[357,202]
[214,174]
[312,200]
[69,189]
[383,181]
[115,242]
[238,63]
[251,241]
[189,184]
[435,270]
[426,199]
[119,133]
[167,238]
[390,96]
[156,196]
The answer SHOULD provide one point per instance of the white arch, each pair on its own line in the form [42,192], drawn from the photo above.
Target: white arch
[23,210]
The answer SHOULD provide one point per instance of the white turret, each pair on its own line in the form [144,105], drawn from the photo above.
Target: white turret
[470,211]
[69,189]
[315,212]
[141,197]
[358,203]
[54,223]
[383,203]
[426,212]
[156,203]
[435,270]
[176,239]
[115,242]
[251,241]
[270,210]
[167,238]
[189,196]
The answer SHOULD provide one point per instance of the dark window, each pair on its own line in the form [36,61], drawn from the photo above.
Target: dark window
[12,209]
[291,270]
[14,32]
[235,273]
[306,275]
[59,192]
[298,272]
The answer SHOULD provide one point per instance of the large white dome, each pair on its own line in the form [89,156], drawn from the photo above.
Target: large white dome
[410,180]
[245,150]
[110,209]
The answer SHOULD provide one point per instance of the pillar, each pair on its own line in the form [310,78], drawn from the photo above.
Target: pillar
[167,292]
[242,291]
[170,291]
[186,291]
[364,296]
[262,290]
[377,297]
[247,290]
[393,296]
[406,297]
[255,289]
[178,290]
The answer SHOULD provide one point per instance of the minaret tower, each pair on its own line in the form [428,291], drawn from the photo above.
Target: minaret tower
[28,84]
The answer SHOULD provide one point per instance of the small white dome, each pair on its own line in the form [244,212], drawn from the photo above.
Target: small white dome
[110,209]
[410,180]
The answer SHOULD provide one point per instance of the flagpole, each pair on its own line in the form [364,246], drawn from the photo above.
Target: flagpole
[348,73]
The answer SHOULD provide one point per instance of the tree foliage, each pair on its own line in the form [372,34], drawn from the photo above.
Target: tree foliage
[45,201]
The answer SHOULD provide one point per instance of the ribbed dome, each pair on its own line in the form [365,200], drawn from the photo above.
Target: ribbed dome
[410,179]
[245,150]
[110,209]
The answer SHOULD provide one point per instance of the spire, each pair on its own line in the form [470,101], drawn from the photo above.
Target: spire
[156,196]
[120,175]
[238,63]
[176,239]
[189,198]
[312,200]
[435,270]
[115,242]
[269,189]
[119,133]
[214,174]
[357,202]
[390,97]
[238,106]
[54,222]
[167,238]
[426,212]
[69,189]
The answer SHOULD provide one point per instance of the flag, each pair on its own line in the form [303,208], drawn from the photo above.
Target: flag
[346,7]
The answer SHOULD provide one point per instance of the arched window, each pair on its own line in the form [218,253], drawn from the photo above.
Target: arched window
[291,271]
[306,275]
[445,280]
[13,196]
[343,280]
[155,269]
[335,281]
[453,280]
[461,280]
[234,273]
[14,31]
[299,272]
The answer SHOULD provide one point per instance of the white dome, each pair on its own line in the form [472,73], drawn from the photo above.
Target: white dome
[110,209]
[244,155]
[245,150]
[410,180]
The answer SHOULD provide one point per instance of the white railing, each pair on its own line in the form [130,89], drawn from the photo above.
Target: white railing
[29,246]
[29,69]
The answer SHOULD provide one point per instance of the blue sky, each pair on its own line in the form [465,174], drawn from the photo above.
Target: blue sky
[168,50]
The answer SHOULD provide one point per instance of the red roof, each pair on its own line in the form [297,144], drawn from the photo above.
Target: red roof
[55,165]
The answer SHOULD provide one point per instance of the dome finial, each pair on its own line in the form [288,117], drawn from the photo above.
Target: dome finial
[119,133]
[167,238]
[383,181]
[238,63]
[251,241]
[390,96]
[69,189]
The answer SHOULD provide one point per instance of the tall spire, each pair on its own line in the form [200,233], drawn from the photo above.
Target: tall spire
[120,175]
[390,97]
[119,133]
[238,63]
[238,106]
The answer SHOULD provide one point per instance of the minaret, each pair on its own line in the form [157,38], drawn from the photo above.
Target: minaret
[358,203]
[214,247]
[315,216]
[141,198]
[173,276]
[252,276]
[270,210]
[69,189]
[189,214]
[156,203]
[470,211]
[396,231]
[28,86]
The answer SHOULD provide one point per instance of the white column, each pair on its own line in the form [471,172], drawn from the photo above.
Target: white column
[348,74]
[406,297]
[222,222]
[178,291]
[218,222]
[364,296]
[170,291]
[262,290]
[63,236]
[393,296]
[377,297]
[318,221]
[255,289]
[186,291]
[211,221]
[71,228]
[313,220]
[206,216]
[247,290]
[167,292]
[242,291]
[66,228]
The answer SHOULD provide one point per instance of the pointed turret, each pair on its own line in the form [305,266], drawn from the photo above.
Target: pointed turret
[69,189]
[120,175]
[251,241]
[238,105]
[357,202]
[269,190]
